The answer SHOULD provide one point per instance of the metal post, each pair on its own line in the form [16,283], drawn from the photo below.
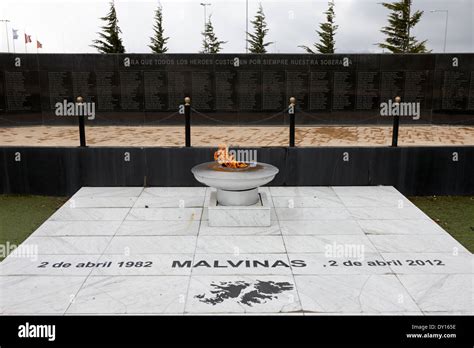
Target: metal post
[445,27]
[446,31]
[187,116]
[6,32]
[203,4]
[396,123]
[291,113]
[247,26]
[82,128]
[82,131]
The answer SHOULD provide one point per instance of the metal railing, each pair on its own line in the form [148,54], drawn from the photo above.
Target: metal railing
[186,109]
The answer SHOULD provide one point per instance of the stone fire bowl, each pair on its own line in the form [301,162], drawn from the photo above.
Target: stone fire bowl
[235,186]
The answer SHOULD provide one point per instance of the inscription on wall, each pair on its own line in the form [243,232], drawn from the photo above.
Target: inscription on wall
[248,83]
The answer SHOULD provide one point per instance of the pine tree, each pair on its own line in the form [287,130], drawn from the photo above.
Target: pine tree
[210,43]
[110,41]
[158,40]
[257,39]
[326,34]
[401,23]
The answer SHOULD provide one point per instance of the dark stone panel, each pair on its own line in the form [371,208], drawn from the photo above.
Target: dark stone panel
[155,90]
[297,85]
[461,61]
[452,118]
[172,166]
[84,62]
[117,118]
[443,170]
[22,91]
[412,170]
[56,87]
[320,89]
[425,170]
[43,171]
[106,62]
[418,88]
[402,62]
[454,90]
[131,90]
[391,84]
[235,89]
[367,96]
[19,62]
[328,166]
[343,95]
[84,84]
[144,62]
[55,62]
[112,166]
[3,172]
[202,90]
[226,82]
[163,118]
[384,167]
[368,62]
[334,62]
[179,86]
[108,91]
[15,179]
[2,93]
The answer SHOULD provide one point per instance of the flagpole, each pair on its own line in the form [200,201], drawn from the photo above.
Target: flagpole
[8,40]
[26,49]
[6,30]
[13,41]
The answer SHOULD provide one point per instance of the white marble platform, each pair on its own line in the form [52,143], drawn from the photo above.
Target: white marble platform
[327,251]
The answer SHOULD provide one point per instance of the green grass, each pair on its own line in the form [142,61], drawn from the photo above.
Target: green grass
[455,214]
[21,215]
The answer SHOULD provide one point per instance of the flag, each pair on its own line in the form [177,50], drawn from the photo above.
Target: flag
[38,44]
[27,38]
[15,34]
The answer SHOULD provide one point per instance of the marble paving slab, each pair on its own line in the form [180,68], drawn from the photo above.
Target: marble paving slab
[51,228]
[131,295]
[329,251]
[67,213]
[370,294]
[158,228]
[100,202]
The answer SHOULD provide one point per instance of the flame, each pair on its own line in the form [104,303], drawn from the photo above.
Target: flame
[224,158]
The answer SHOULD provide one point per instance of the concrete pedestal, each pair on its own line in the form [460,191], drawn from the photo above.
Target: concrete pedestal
[255,215]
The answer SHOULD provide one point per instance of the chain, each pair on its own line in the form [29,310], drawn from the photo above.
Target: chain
[252,122]
[320,119]
[210,118]
[163,119]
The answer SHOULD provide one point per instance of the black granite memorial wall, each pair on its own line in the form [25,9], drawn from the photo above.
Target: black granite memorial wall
[412,170]
[236,88]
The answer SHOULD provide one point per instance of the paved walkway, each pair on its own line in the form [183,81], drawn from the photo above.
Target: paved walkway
[329,250]
[237,136]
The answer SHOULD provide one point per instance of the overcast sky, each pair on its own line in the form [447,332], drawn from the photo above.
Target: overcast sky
[71,25]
